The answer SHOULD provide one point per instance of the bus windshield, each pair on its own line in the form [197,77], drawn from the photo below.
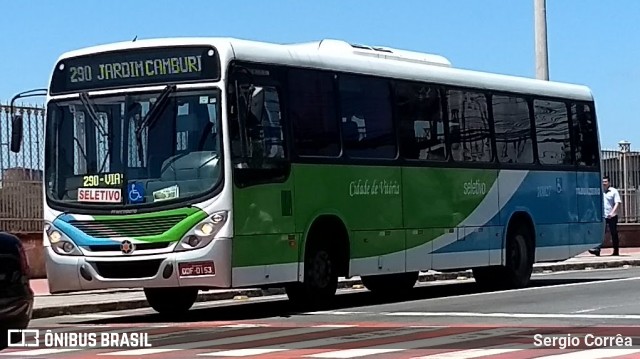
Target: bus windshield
[133,150]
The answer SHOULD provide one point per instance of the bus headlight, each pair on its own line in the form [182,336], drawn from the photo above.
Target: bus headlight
[203,233]
[61,244]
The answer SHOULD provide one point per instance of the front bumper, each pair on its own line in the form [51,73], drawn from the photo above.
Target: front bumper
[79,273]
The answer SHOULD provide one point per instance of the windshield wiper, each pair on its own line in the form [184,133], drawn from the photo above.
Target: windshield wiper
[93,114]
[151,117]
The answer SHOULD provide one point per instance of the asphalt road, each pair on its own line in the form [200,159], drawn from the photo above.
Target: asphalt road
[452,317]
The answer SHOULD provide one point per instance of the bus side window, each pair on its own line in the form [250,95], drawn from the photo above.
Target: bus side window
[257,135]
[421,126]
[552,132]
[512,124]
[469,116]
[585,135]
[367,103]
[313,113]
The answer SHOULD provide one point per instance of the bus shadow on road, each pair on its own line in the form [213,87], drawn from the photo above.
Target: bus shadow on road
[345,300]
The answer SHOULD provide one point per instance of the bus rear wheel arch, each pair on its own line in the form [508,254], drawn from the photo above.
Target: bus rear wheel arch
[326,257]
[519,257]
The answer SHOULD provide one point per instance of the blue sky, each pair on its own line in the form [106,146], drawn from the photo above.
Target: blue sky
[591,42]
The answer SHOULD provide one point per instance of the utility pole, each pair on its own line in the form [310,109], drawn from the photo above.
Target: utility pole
[542,58]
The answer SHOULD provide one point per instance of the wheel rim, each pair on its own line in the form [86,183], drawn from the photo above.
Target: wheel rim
[321,272]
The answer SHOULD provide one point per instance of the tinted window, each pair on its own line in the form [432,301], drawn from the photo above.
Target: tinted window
[421,128]
[469,127]
[513,129]
[313,113]
[585,135]
[365,112]
[552,132]
[260,140]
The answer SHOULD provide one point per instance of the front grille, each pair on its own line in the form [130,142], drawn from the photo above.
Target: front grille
[128,269]
[138,227]
[139,247]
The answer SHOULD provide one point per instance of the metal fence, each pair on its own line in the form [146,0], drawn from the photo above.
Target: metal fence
[623,168]
[21,173]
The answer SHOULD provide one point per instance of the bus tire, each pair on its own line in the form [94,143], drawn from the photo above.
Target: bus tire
[390,284]
[519,256]
[171,301]
[320,278]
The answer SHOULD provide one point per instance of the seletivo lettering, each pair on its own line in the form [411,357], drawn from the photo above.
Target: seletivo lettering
[373,188]
[474,188]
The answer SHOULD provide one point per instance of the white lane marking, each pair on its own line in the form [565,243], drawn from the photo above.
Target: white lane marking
[92,316]
[334,326]
[528,289]
[244,325]
[592,354]
[587,310]
[599,308]
[429,326]
[242,352]
[335,312]
[470,354]
[352,353]
[36,352]
[238,339]
[141,352]
[180,333]
[455,339]
[352,337]
[515,315]
[331,312]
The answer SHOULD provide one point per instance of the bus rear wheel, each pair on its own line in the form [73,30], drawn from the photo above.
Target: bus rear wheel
[390,284]
[516,273]
[171,301]
[519,258]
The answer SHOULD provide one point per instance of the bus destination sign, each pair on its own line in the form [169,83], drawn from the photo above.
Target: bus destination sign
[137,67]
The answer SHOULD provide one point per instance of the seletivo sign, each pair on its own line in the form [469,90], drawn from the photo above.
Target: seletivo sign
[474,188]
[373,188]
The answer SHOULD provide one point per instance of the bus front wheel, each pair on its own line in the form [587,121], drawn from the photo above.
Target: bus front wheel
[320,279]
[171,301]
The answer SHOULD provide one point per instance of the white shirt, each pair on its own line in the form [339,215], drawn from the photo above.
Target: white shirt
[611,197]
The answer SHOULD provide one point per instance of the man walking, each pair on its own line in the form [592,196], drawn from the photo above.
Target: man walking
[612,202]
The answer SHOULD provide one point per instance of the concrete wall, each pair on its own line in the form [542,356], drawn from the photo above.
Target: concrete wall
[628,233]
[35,253]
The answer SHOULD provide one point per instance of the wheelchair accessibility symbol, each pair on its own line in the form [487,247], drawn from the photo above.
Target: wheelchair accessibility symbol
[136,193]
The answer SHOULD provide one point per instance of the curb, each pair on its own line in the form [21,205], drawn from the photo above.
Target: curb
[90,308]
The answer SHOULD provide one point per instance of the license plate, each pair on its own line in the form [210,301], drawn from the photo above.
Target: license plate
[196,268]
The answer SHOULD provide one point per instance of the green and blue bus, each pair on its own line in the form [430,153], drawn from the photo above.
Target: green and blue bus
[186,164]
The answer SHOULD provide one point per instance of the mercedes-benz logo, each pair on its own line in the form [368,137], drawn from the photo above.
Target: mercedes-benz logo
[127,247]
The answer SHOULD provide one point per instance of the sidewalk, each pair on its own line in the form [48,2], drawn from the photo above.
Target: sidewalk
[48,305]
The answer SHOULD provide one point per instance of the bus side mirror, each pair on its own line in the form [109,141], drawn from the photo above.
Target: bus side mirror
[16,133]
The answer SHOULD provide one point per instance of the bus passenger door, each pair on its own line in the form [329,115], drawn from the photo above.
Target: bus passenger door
[264,244]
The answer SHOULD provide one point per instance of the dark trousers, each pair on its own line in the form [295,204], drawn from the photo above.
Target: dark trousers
[612,223]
